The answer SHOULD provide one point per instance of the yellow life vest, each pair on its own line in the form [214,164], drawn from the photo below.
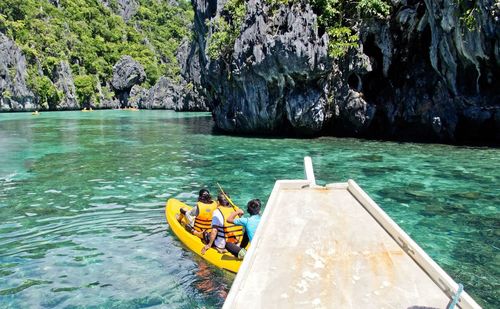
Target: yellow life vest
[232,233]
[203,221]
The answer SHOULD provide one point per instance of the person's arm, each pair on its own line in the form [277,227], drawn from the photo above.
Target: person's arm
[233,215]
[213,234]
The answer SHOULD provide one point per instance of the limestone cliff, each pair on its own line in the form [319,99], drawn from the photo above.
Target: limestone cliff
[418,74]
[14,92]
[125,8]
[67,55]
[63,78]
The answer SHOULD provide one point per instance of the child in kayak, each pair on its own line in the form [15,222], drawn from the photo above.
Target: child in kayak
[225,235]
[250,224]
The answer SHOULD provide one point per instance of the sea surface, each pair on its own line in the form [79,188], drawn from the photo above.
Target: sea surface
[82,199]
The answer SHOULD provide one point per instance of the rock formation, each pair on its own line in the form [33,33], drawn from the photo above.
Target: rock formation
[419,74]
[14,93]
[55,2]
[64,82]
[166,94]
[126,73]
[50,77]
[105,97]
[137,96]
[432,72]
[125,8]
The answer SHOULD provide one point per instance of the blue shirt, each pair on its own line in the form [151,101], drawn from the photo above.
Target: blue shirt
[250,224]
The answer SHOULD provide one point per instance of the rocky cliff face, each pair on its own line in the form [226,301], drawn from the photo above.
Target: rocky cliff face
[434,76]
[64,82]
[420,74]
[125,8]
[126,73]
[50,83]
[14,93]
[166,94]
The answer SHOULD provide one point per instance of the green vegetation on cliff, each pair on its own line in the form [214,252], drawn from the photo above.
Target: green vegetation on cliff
[92,37]
[336,17]
[226,29]
[44,89]
[85,87]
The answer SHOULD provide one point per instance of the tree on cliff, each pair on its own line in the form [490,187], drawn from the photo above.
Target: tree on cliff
[47,94]
[85,89]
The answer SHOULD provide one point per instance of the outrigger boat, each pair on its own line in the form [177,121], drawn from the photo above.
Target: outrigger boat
[332,246]
[222,260]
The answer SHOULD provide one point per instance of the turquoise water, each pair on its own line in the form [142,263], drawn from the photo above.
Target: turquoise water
[82,198]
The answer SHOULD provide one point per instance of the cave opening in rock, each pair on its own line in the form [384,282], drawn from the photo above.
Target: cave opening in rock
[354,82]
[489,81]
[123,97]
[467,80]
[470,131]
[374,82]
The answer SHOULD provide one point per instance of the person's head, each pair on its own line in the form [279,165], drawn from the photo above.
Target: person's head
[204,196]
[253,207]
[221,198]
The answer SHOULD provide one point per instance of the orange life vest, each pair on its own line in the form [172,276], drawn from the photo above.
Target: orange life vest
[203,221]
[232,233]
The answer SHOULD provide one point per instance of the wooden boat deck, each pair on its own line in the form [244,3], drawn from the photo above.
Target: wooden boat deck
[333,247]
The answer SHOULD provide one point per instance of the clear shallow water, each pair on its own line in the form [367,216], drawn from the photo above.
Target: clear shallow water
[82,198]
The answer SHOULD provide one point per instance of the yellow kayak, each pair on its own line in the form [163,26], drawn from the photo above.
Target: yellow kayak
[225,261]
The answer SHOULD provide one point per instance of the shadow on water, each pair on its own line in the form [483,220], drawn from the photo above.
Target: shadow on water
[369,158]
[380,170]
[282,134]
[193,125]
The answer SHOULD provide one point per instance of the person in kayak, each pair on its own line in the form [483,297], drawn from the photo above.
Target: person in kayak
[199,217]
[250,224]
[225,235]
